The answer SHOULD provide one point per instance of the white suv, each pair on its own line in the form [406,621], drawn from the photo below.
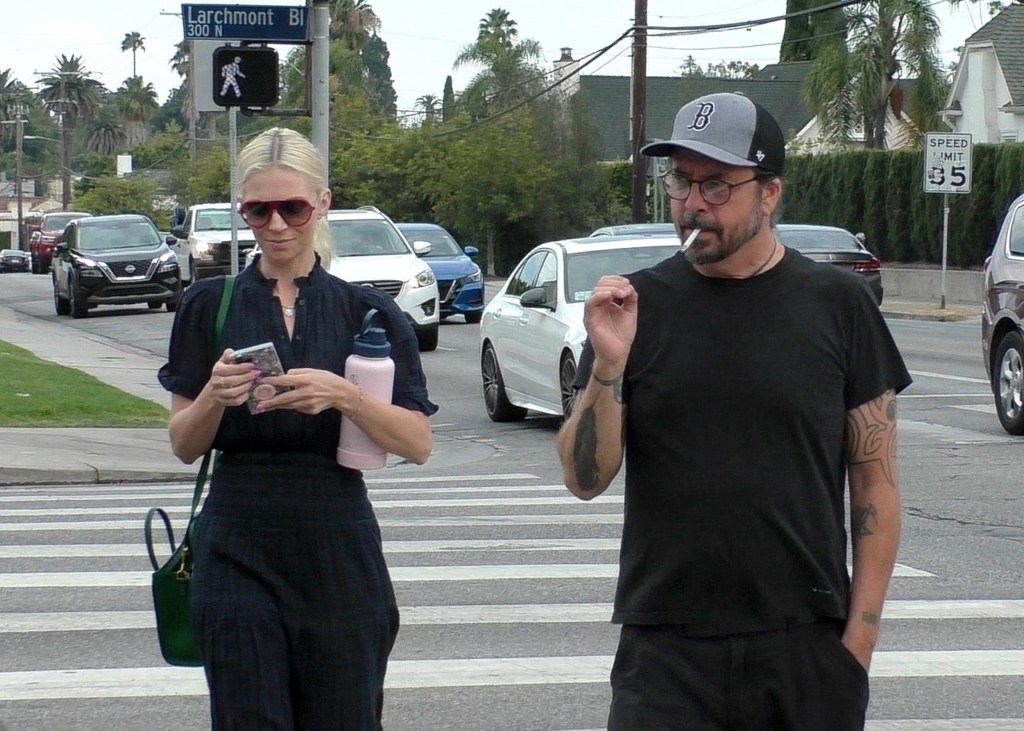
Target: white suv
[204,241]
[368,249]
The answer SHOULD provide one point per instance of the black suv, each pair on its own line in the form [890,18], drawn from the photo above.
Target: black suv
[113,260]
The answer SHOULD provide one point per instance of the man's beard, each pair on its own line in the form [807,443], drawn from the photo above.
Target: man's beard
[728,243]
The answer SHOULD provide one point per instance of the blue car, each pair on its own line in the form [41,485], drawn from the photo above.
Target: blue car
[460,282]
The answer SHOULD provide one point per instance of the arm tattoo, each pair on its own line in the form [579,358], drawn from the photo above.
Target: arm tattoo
[860,517]
[615,383]
[585,451]
[869,618]
[871,434]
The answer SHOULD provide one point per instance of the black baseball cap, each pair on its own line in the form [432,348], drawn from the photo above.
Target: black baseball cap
[729,128]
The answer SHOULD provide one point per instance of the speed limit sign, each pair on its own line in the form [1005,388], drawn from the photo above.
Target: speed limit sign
[947,163]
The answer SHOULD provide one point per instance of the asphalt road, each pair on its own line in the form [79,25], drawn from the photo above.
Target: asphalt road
[504,581]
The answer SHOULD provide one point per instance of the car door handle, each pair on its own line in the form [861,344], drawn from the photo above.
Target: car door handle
[524,320]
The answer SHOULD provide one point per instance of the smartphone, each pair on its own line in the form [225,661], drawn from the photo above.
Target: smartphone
[265,357]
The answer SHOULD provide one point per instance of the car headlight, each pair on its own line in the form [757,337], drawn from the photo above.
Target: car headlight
[476,276]
[203,250]
[423,279]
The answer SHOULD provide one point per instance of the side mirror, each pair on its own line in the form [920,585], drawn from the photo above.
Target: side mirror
[422,248]
[171,240]
[179,233]
[471,251]
[61,247]
[536,297]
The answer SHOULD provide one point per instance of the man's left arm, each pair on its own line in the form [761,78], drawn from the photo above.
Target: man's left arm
[874,517]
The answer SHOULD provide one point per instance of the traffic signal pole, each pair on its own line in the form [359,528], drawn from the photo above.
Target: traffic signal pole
[320,84]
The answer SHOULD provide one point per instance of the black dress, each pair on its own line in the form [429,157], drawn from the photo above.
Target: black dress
[293,604]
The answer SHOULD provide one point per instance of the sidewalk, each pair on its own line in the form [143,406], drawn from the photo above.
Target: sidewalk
[47,456]
[38,456]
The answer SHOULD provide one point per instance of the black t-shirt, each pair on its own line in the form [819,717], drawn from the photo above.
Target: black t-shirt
[328,315]
[737,392]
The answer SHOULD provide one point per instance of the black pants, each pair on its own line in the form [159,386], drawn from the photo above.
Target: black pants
[292,603]
[797,679]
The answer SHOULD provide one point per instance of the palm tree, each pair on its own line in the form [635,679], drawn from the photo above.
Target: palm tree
[353,22]
[430,105]
[854,83]
[136,104]
[181,63]
[105,135]
[510,72]
[71,94]
[133,42]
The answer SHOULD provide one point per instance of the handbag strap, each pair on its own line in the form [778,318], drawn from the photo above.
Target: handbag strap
[218,328]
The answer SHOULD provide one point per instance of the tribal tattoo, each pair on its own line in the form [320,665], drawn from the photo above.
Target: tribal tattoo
[861,519]
[871,434]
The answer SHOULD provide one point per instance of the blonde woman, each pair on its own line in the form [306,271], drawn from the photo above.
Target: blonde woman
[292,602]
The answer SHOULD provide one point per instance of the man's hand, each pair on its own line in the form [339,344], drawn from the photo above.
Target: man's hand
[610,319]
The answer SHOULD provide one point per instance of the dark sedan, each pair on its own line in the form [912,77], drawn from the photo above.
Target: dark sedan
[837,246]
[12,260]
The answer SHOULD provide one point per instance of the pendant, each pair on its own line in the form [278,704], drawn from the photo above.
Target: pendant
[289,312]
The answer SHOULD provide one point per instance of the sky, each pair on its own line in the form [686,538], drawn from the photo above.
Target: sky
[423,36]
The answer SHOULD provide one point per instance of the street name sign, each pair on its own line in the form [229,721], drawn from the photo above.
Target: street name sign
[262,23]
[947,163]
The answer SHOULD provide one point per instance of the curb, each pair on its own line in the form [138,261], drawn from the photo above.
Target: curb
[936,316]
[14,476]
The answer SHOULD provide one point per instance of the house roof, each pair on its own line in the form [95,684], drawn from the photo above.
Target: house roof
[607,99]
[1005,32]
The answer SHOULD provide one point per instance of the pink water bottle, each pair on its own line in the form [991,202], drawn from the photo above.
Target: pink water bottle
[370,367]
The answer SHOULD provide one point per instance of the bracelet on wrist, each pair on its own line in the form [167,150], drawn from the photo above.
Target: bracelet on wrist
[358,405]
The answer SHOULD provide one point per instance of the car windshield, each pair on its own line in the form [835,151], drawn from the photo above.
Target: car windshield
[57,223]
[441,244]
[218,221]
[818,239]
[583,269]
[14,254]
[365,238]
[114,236]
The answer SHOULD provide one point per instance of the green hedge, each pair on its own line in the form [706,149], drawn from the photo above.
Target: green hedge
[882,195]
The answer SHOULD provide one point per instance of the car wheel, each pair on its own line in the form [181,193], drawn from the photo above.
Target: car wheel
[566,379]
[1008,382]
[427,339]
[79,307]
[44,268]
[62,305]
[499,408]
[35,265]
[473,318]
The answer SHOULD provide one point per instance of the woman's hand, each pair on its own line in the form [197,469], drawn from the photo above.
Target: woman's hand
[229,381]
[312,391]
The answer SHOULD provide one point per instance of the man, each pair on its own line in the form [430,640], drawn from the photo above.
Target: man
[743,384]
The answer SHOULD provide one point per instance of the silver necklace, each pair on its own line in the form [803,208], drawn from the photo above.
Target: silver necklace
[289,312]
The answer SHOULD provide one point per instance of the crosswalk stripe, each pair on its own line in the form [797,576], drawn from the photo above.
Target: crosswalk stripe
[459,673]
[495,572]
[566,501]
[950,724]
[185,495]
[13,622]
[436,521]
[125,550]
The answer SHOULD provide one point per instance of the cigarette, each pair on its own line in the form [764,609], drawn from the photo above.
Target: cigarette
[690,239]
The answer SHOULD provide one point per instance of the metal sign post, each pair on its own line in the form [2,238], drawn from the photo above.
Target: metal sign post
[947,169]
[233,183]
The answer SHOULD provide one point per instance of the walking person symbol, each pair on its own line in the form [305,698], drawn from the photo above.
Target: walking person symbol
[231,72]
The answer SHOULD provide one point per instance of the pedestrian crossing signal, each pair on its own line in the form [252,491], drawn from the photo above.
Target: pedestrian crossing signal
[245,76]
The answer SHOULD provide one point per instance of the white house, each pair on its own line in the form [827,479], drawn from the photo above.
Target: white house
[987,95]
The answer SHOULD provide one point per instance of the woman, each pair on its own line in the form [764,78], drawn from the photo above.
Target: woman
[292,602]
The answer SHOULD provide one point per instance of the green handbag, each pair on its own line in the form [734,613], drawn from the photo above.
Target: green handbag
[172,581]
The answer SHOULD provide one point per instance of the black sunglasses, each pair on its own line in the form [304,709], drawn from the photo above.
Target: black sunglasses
[294,212]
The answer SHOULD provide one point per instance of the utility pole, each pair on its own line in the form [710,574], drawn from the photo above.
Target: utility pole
[19,114]
[638,111]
